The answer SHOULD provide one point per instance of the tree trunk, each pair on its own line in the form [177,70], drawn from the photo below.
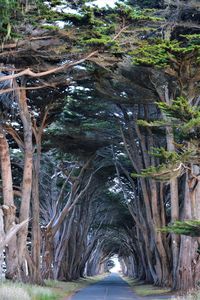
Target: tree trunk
[47,254]
[2,237]
[35,232]
[27,181]
[12,268]
[187,275]
[174,205]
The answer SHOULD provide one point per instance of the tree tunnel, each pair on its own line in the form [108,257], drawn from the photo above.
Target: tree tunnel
[99,140]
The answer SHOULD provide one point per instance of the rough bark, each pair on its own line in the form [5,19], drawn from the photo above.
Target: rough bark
[26,182]
[2,237]
[9,209]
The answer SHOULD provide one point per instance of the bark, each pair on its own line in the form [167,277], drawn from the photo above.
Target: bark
[154,242]
[189,260]
[53,253]
[35,232]
[26,182]
[5,238]
[2,237]
[173,195]
[12,266]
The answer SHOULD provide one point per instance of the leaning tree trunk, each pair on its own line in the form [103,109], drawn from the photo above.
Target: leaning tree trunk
[8,208]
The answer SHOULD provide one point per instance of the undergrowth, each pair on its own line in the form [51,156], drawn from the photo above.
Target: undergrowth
[53,289]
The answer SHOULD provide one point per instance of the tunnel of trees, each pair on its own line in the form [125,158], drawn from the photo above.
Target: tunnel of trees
[99,140]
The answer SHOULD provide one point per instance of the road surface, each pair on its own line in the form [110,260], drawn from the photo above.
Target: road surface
[113,287]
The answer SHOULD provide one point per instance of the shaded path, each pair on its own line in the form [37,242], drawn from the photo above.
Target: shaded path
[113,287]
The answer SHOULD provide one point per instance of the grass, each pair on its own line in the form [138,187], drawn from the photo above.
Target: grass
[10,293]
[191,296]
[142,289]
[19,291]
[54,290]
[64,289]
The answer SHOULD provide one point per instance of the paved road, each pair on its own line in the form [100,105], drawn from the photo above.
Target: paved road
[112,287]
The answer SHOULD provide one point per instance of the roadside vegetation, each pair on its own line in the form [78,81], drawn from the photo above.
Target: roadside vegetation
[145,290]
[53,290]
[142,289]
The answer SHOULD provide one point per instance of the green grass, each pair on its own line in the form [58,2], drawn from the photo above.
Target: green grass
[54,290]
[142,289]
[147,290]
[26,292]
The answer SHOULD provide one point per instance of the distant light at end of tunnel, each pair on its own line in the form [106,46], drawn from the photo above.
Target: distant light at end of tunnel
[117,267]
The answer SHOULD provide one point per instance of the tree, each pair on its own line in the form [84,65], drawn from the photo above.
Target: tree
[177,60]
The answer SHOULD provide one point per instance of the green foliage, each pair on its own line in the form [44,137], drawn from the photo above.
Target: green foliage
[162,172]
[180,109]
[8,10]
[14,13]
[189,227]
[156,123]
[192,38]
[180,114]
[163,53]
[50,27]
[101,41]
[136,14]
[94,26]
[185,119]
[164,155]
[147,3]
[155,53]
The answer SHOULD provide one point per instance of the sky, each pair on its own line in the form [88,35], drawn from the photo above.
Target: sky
[102,3]
[117,266]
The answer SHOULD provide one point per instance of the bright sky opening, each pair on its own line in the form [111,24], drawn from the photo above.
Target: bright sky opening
[102,3]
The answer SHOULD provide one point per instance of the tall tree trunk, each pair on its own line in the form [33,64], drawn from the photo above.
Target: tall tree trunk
[174,204]
[35,232]
[2,237]
[189,259]
[27,181]
[184,275]
[8,208]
